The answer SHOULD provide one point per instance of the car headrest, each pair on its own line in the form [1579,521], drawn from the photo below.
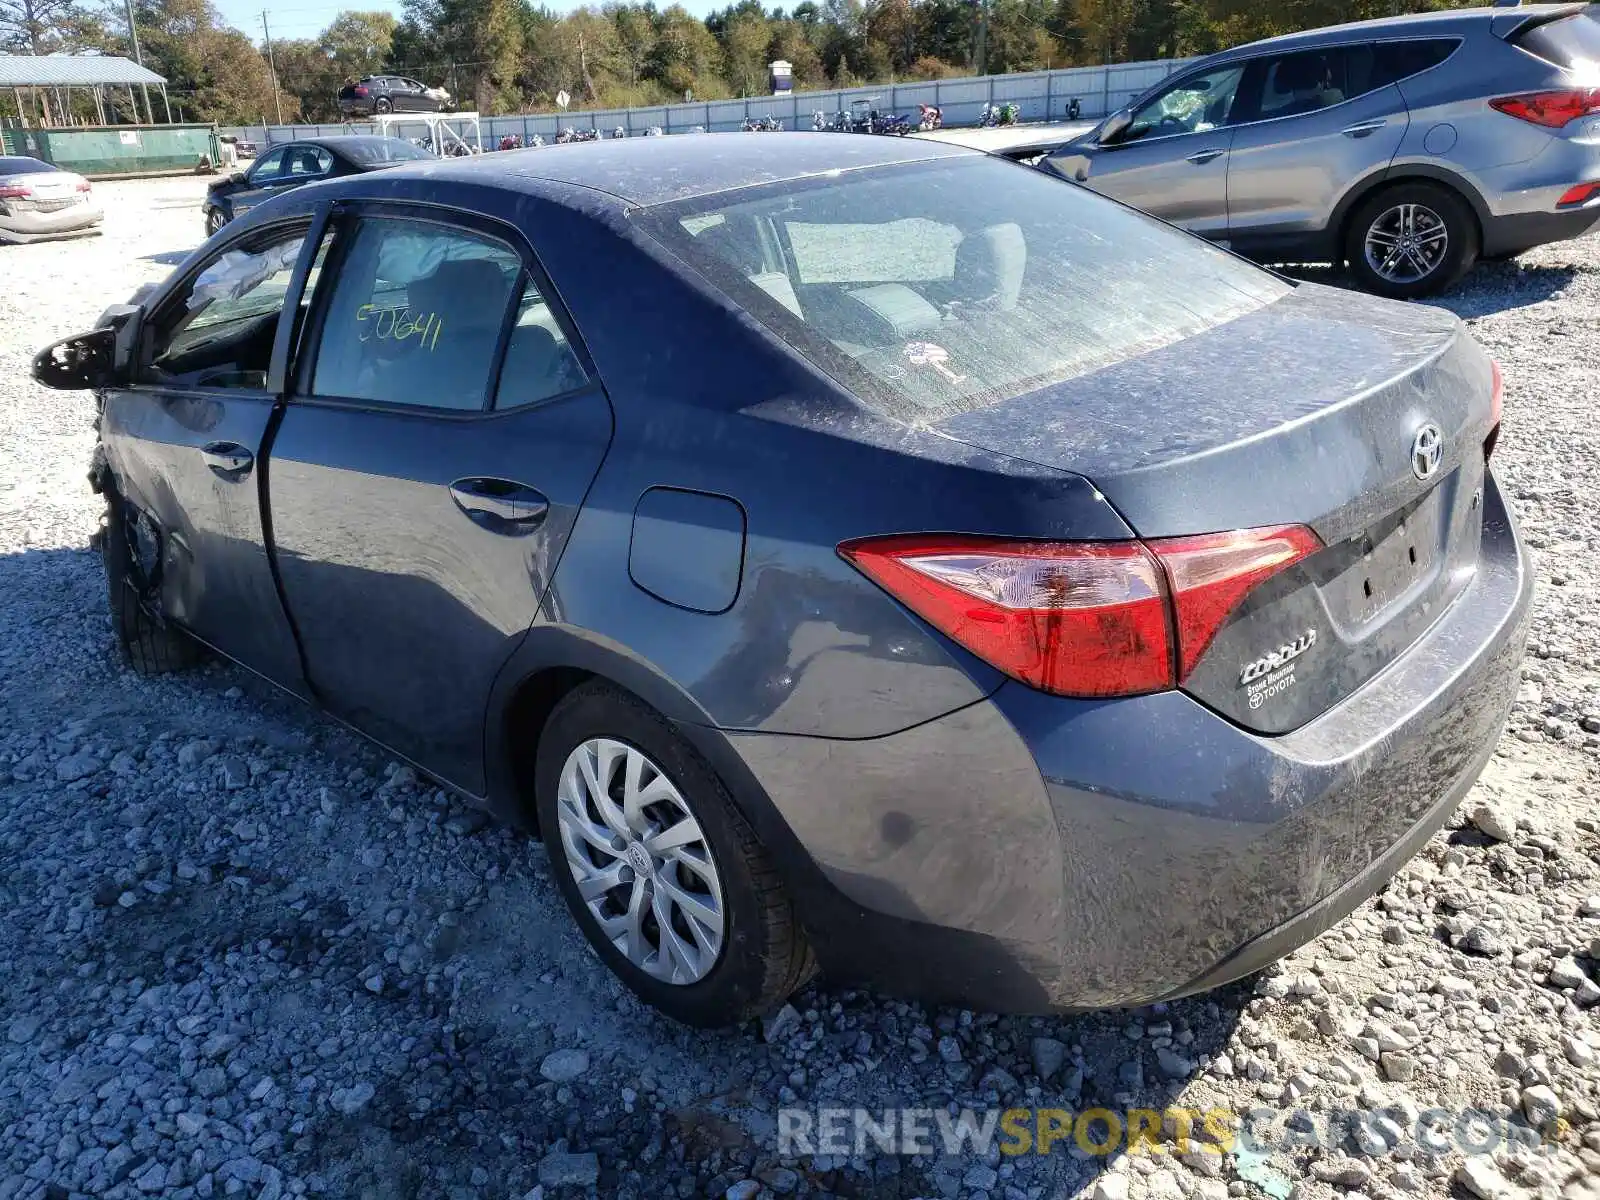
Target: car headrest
[733,244]
[1300,73]
[464,293]
[990,264]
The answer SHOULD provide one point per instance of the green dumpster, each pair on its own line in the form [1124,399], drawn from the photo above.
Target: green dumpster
[107,151]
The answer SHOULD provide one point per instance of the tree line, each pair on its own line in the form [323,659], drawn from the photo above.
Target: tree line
[502,56]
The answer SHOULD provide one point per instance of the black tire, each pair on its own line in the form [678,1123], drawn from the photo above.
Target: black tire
[765,957]
[1462,239]
[383,105]
[215,220]
[148,645]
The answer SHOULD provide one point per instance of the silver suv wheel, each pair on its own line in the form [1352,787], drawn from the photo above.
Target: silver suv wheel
[1406,243]
[642,865]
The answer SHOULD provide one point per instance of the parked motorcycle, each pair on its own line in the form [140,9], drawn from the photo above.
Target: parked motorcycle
[1000,114]
[892,124]
[1074,109]
[619,132]
[655,131]
[760,125]
[510,141]
[930,117]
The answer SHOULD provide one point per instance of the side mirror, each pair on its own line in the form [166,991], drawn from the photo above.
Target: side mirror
[87,360]
[1115,126]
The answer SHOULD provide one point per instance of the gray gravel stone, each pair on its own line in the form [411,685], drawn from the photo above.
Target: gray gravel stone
[563,1066]
[564,1169]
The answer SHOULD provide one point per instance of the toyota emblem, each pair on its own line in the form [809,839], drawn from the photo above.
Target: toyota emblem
[1427,449]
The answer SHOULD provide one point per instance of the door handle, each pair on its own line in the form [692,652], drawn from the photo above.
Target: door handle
[226,458]
[500,505]
[1362,128]
[1205,156]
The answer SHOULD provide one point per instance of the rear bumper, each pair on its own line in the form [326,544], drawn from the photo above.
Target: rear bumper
[1517,232]
[1032,853]
[33,226]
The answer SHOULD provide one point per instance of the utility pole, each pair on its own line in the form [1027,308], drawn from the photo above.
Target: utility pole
[277,98]
[133,36]
[980,51]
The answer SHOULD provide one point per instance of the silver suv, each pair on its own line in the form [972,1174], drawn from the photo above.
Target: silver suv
[1407,147]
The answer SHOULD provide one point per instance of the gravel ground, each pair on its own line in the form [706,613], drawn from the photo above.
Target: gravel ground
[247,956]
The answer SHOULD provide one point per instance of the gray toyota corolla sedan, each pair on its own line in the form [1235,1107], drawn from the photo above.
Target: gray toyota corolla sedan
[846,552]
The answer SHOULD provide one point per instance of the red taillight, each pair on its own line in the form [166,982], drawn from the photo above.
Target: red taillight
[14,191]
[83,185]
[361,91]
[1210,574]
[1497,403]
[1581,194]
[1553,110]
[1081,618]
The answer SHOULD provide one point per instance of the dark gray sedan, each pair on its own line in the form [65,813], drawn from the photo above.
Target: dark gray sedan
[295,164]
[852,552]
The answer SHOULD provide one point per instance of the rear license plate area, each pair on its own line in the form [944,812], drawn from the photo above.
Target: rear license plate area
[1387,561]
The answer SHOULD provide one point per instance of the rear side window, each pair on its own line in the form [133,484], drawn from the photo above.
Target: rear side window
[540,362]
[1401,60]
[1572,43]
[416,316]
[942,287]
[1306,82]
[23,166]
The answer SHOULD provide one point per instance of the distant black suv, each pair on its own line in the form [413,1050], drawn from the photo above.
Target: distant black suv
[373,94]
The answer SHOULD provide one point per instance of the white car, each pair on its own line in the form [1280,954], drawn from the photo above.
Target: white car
[39,201]
[1020,143]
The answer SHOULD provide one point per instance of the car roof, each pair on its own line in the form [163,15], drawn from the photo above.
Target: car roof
[341,141]
[1455,21]
[645,171]
[24,162]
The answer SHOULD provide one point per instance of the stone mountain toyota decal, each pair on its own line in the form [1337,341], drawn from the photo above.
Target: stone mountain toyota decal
[1274,672]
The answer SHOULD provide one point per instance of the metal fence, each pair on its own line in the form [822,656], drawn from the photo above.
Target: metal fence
[1040,95]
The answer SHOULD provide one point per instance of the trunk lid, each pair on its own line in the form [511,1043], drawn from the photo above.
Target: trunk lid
[1306,411]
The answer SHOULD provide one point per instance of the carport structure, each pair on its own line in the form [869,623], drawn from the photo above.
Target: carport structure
[92,72]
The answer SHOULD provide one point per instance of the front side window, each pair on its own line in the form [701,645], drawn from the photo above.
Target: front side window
[218,333]
[416,315]
[1198,104]
[1295,84]
[942,287]
[268,166]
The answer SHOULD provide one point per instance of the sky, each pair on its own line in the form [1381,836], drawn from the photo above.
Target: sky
[307,18]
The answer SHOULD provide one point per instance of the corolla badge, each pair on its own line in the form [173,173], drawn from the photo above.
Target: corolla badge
[1280,657]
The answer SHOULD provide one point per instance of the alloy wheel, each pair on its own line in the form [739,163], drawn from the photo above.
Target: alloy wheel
[1406,243]
[214,222]
[641,862]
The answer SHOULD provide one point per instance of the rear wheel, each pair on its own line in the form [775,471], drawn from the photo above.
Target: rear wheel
[383,105]
[149,646]
[662,872]
[1411,240]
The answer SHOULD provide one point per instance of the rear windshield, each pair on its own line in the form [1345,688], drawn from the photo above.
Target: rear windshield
[1570,42]
[23,166]
[369,151]
[937,288]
